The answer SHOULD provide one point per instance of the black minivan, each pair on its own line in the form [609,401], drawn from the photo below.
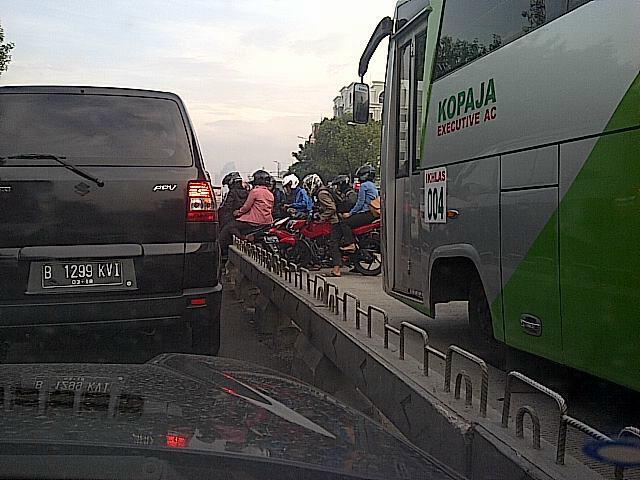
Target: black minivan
[107,219]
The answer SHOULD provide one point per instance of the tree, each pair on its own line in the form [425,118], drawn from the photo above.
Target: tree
[339,148]
[5,52]
[455,52]
[537,15]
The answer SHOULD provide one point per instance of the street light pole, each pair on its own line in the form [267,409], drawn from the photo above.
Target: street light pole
[277,168]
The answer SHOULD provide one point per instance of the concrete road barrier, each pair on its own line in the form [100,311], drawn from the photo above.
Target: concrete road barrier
[464,434]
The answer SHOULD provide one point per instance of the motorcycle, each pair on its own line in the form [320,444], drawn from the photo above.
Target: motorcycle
[261,234]
[281,237]
[306,243]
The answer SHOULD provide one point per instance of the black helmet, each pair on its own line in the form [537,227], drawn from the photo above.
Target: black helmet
[366,172]
[342,183]
[260,177]
[231,178]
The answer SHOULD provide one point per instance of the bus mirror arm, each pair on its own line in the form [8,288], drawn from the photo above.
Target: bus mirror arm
[382,31]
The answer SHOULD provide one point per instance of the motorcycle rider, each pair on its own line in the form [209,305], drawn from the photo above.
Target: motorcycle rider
[235,198]
[346,192]
[347,197]
[360,214]
[278,200]
[312,184]
[327,209]
[256,211]
[302,203]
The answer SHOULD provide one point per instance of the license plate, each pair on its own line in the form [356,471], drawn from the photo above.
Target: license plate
[81,274]
[72,383]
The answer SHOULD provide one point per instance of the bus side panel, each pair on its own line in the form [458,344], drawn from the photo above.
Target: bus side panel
[559,82]
[529,201]
[600,265]
[473,189]
[530,273]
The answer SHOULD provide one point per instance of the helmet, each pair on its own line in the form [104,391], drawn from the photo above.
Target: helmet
[342,183]
[312,183]
[366,172]
[231,178]
[260,177]
[291,181]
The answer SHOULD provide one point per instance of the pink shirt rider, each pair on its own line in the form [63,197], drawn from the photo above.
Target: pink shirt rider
[258,208]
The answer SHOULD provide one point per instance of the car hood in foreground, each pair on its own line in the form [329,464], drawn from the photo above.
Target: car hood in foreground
[200,404]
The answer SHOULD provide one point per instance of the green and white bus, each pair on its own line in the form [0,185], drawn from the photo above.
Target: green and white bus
[511,172]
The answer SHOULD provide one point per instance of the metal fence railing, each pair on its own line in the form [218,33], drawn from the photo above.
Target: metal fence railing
[328,293]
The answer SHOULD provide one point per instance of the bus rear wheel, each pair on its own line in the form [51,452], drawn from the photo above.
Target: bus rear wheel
[479,311]
[481,323]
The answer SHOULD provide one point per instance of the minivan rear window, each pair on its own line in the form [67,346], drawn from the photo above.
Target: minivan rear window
[94,129]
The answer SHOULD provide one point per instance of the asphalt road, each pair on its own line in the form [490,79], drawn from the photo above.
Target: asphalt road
[239,340]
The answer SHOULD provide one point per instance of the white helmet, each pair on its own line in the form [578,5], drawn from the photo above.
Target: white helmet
[291,181]
[312,183]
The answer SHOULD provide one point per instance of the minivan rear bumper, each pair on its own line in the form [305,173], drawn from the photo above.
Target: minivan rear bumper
[142,314]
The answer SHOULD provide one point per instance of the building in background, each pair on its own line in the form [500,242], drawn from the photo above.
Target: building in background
[338,106]
[315,127]
[376,101]
[343,103]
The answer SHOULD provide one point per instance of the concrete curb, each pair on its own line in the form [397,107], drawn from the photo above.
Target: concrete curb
[474,447]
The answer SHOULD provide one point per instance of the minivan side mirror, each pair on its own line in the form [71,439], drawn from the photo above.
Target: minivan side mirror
[360,103]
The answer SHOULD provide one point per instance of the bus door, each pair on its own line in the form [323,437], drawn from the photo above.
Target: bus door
[408,265]
[529,239]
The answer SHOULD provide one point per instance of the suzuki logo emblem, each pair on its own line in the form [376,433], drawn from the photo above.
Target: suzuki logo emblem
[82,189]
[165,188]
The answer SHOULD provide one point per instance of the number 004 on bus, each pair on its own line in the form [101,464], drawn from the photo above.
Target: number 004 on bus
[435,195]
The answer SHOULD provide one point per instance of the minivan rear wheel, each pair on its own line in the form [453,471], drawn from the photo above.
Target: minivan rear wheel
[205,338]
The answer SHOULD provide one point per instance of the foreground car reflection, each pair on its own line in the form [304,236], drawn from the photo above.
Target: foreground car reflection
[189,412]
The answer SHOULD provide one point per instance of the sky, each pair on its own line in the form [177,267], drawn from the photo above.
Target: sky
[254,74]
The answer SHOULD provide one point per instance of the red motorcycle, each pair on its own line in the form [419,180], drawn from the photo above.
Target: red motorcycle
[306,243]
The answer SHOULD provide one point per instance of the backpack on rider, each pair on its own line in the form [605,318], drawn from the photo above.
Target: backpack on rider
[346,194]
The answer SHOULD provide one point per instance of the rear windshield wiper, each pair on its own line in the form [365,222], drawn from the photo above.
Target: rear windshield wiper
[61,160]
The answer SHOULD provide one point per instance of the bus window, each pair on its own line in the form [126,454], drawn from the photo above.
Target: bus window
[407,11]
[473,28]
[421,44]
[403,98]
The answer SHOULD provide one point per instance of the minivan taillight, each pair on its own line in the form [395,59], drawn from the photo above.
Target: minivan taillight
[202,205]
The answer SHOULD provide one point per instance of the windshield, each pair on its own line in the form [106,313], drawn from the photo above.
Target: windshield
[95,129]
